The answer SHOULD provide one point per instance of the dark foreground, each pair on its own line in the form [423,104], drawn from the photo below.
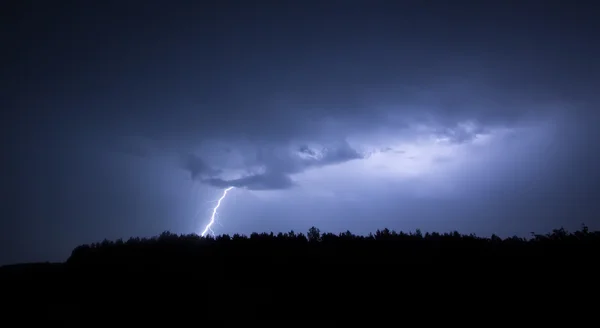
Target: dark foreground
[314,277]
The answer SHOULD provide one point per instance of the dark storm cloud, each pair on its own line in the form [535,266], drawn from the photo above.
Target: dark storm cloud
[330,155]
[329,69]
[239,87]
[277,164]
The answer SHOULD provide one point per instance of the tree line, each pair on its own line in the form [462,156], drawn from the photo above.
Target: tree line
[169,247]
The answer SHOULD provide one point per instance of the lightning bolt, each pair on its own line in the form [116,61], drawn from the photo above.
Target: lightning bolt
[214,213]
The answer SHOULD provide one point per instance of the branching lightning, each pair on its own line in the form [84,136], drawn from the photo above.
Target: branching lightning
[214,213]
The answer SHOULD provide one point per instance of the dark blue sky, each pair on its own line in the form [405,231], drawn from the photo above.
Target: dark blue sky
[127,118]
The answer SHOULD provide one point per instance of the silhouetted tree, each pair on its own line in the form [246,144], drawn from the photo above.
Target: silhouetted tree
[313,235]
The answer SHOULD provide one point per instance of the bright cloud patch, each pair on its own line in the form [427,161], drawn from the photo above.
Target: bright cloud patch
[428,161]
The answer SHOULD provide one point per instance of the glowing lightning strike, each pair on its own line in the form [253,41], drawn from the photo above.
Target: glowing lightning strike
[214,213]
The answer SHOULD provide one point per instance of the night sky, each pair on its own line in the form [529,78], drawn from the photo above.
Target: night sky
[128,118]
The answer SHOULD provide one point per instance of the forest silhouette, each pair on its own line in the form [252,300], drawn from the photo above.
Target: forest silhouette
[266,274]
[190,250]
